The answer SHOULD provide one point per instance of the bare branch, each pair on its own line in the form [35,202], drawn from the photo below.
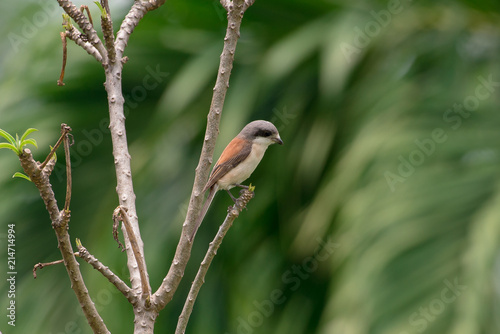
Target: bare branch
[225,4]
[59,141]
[116,223]
[170,283]
[131,20]
[41,265]
[49,167]
[60,219]
[121,155]
[105,5]
[106,272]
[86,8]
[139,258]
[84,24]
[248,3]
[65,129]
[233,213]
[65,56]
[107,30]
[74,35]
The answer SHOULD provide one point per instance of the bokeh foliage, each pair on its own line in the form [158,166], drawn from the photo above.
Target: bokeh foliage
[347,119]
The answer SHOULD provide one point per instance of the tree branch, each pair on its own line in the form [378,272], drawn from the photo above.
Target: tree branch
[107,31]
[41,265]
[60,82]
[131,20]
[124,184]
[85,25]
[106,272]
[74,35]
[65,130]
[225,4]
[171,281]
[60,219]
[124,188]
[121,214]
[233,213]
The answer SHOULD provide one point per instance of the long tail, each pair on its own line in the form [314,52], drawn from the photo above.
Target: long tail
[203,212]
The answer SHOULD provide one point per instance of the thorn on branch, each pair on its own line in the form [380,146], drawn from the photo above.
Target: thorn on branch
[225,4]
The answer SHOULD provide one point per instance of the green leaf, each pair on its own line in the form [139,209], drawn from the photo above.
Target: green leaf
[26,133]
[103,11]
[66,22]
[7,136]
[10,146]
[28,141]
[22,176]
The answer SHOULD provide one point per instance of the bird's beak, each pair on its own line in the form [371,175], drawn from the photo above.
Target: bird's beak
[278,140]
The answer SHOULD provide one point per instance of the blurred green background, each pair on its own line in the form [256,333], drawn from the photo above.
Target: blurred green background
[380,214]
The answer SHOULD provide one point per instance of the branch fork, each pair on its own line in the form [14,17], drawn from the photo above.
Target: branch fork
[233,213]
[110,53]
[235,10]
[39,174]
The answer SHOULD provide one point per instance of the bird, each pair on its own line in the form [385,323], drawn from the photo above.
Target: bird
[238,161]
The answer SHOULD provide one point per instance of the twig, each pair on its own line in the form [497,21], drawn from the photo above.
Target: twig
[84,25]
[74,35]
[106,272]
[131,20]
[105,5]
[116,223]
[135,247]
[165,292]
[86,8]
[233,213]
[60,219]
[65,56]
[59,141]
[107,31]
[49,167]
[65,129]
[41,265]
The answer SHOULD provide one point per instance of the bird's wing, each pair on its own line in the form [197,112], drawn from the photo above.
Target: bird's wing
[234,153]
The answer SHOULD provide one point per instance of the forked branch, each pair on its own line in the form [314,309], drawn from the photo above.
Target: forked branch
[85,25]
[235,10]
[121,214]
[232,214]
[39,174]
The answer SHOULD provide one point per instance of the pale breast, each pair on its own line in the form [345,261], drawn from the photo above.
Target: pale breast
[243,171]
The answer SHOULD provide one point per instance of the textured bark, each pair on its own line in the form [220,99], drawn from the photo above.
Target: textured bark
[235,10]
[60,218]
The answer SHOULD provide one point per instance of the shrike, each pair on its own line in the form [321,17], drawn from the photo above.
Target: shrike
[238,161]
